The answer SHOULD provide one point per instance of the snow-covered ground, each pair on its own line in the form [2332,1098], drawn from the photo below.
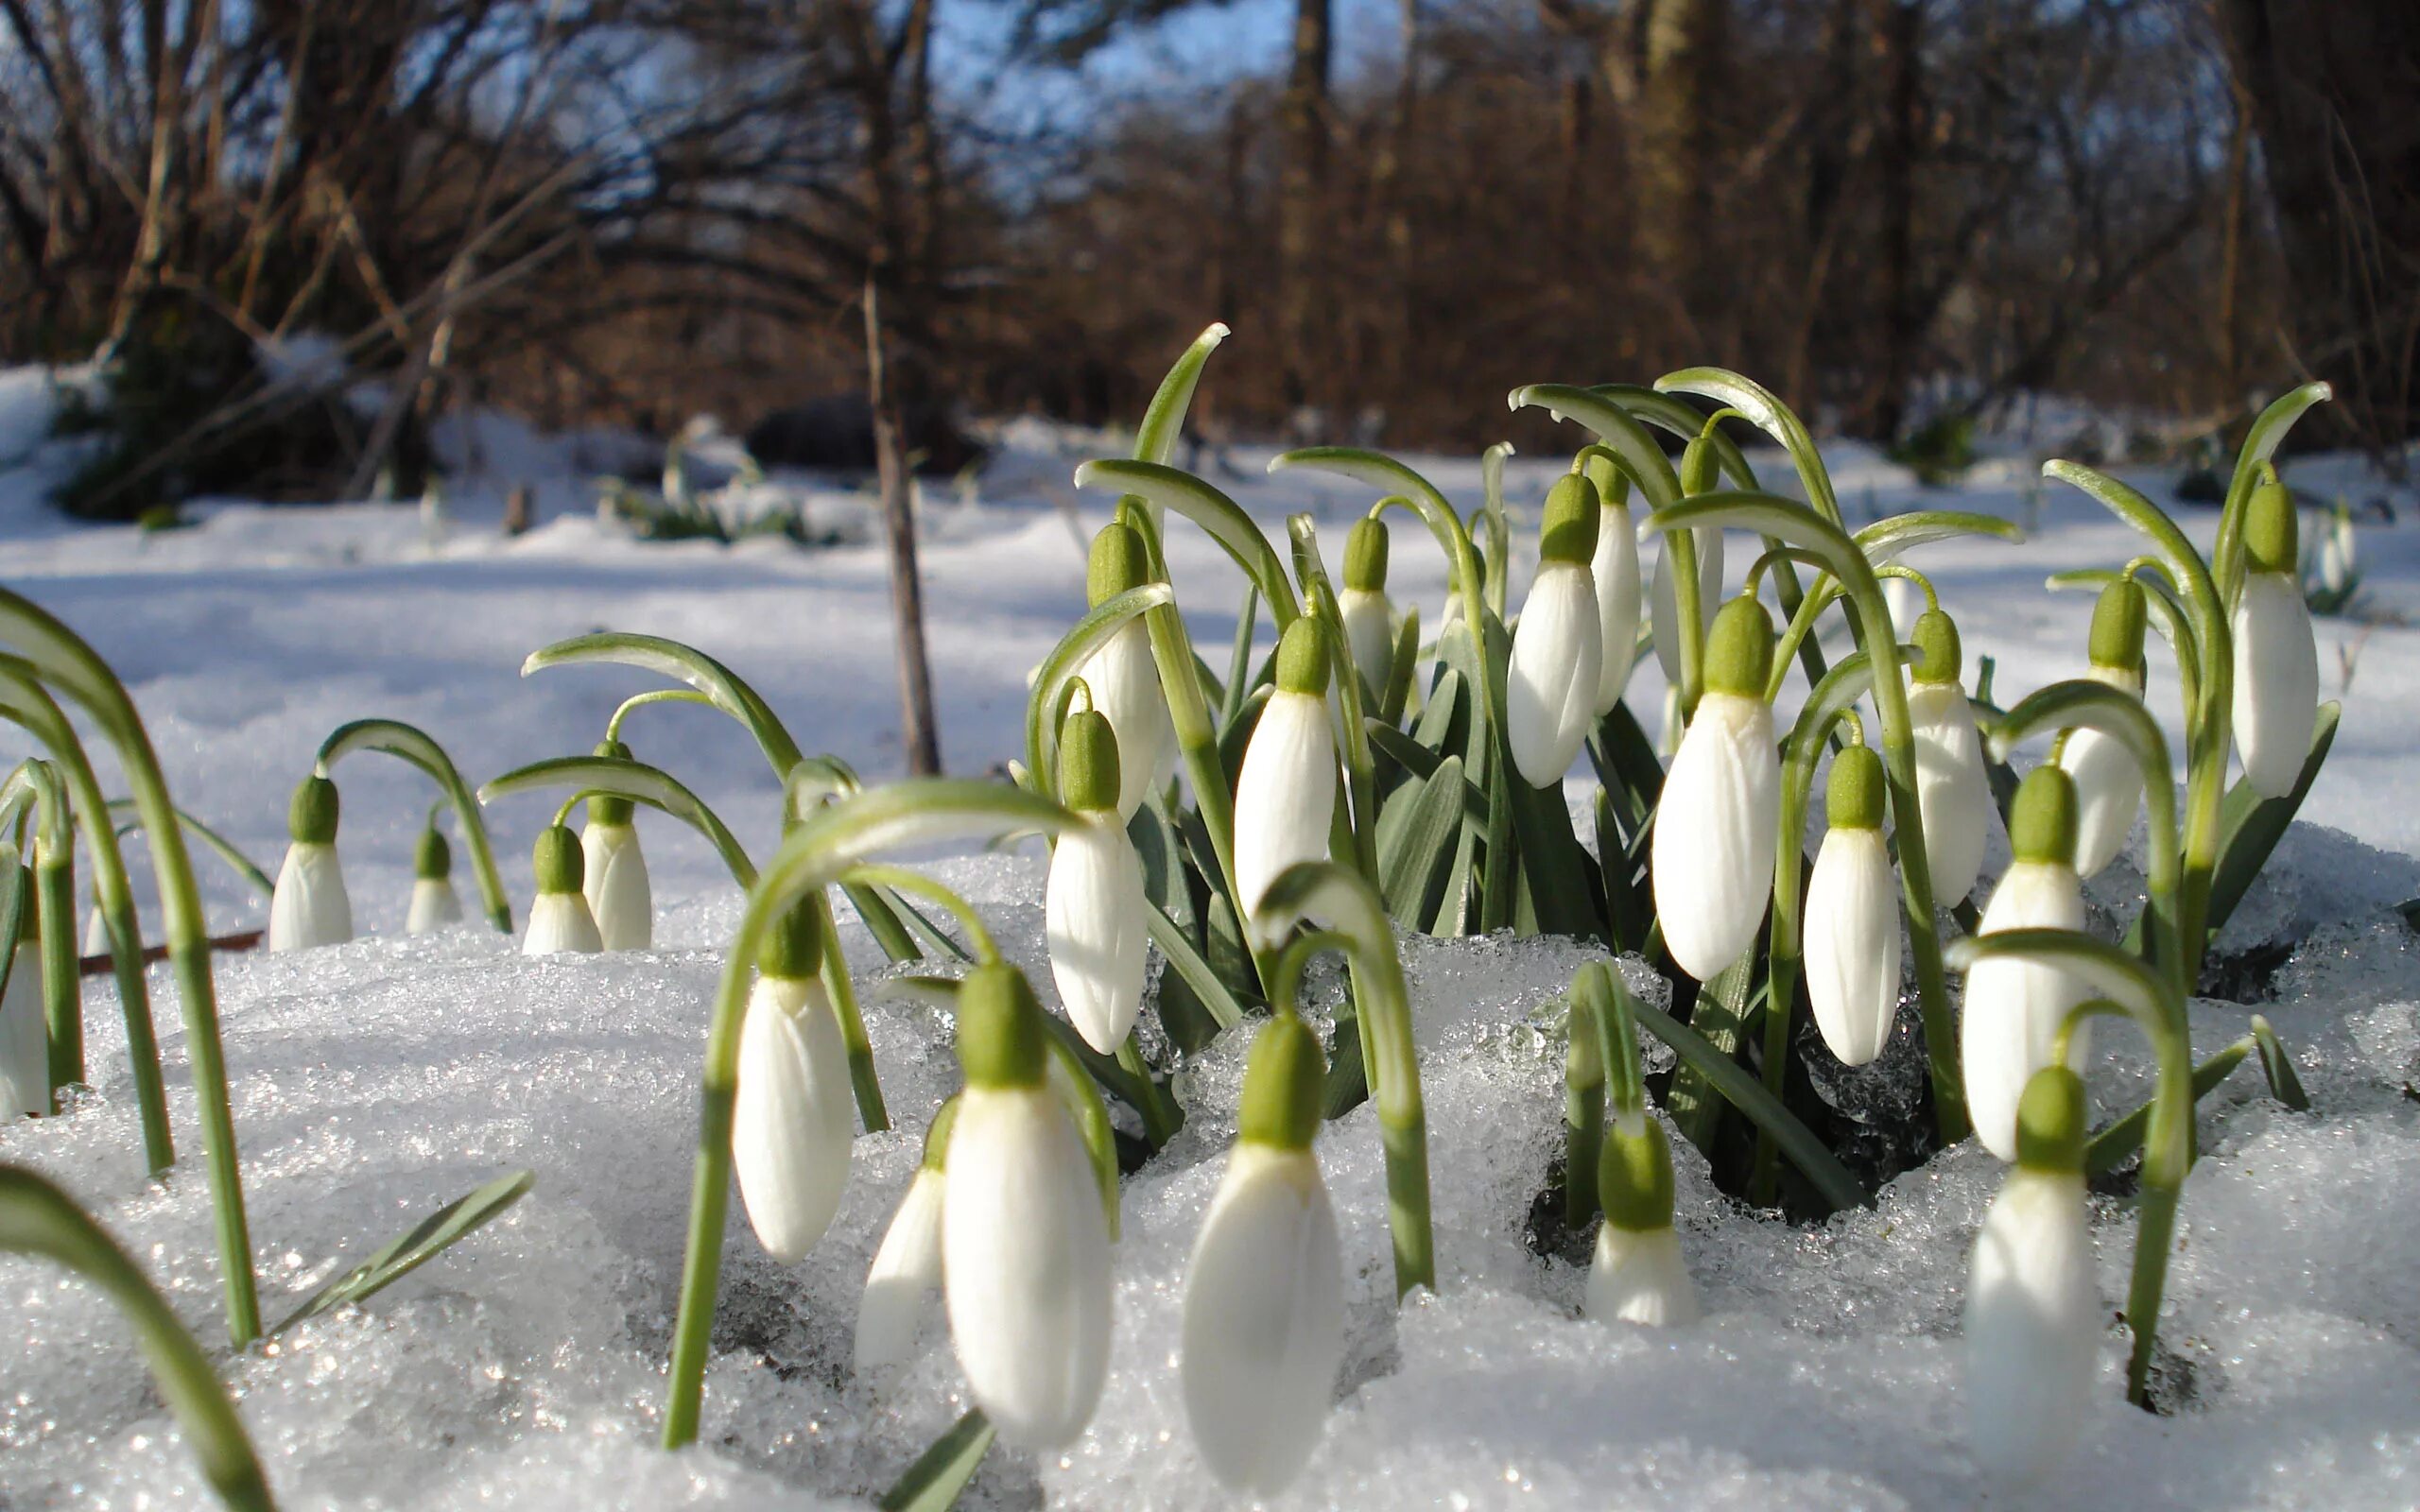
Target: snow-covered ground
[374,1081]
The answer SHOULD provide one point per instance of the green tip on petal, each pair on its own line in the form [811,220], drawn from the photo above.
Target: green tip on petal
[1284,1081]
[1568,532]
[557,860]
[1739,649]
[434,859]
[2042,821]
[794,947]
[1302,657]
[1365,555]
[937,1135]
[1939,657]
[1853,798]
[1088,771]
[1001,1041]
[2271,531]
[311,817]
[1118,563]
[2119,622]
[610,808]
[1698,471]
[2050,1122]
[1635,1179]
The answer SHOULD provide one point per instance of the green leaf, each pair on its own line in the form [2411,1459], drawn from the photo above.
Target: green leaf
[1396,696]
[1770,415]
[1416,849]
[1625,436]
[2250,826]
[426,1240]
[1231,697]
[123,813]
[2260,443]
[1720,1015]
[1065,662]
[1188,963]
[1226,520]
[2276,1065]
[1678,417]
[401,741]
[722,687]
[2116,1145]
[637,782]
[16,893]
[934,1483]
[1885,540]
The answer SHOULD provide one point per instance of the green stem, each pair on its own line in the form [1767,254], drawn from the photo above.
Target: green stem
[401,741]
[722,687]
[653,695]
[53,850]
[124,813]
[874,1115]
[637,782]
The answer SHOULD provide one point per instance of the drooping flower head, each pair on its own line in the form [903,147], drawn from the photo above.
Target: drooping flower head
[1093,915]
[558,919]
[1286,792]
[2276,660]
[1953,789]
[308,906]
[1559,645]
[1264,1292]
[2014,1008]
[2109,783]
[613,872]
[1124,681]
[1368,616]
[435,904]
[792,1119]
[1718,822]
[908,1264]
[1615,568]
[1638,1274]
[1853,916]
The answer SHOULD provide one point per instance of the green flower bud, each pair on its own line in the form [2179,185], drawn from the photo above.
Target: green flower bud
[1284,1080]
[793,948]
[2271,531]
[1939,657]
[434,860]
[1303,656]
[1698,471]
[2042,821]
[1739,649]
[1001,1041]
[1853,798]
[1569,531]
[557,861]
[311,817]
[1634,1178]
[1118,563]
[1088,770]
[2050,1122]
[2119,621]
[1365,555]
[607,808]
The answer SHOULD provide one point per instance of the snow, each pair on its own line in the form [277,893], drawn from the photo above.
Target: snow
[377,1080]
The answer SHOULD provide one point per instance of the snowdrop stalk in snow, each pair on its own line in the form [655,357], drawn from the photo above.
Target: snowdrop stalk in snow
[310,908]
[2033,1315]
[1286,792]
[1025,1244]
[1263,1329]
[908,1264]
[791,1126]
[1712,850]
[1853,916]
[1953,791]
[2276,662]
[1368,616]
[435,904]
[1094,905]
[1558,648]
[559,918]
[2109,785]
[614,869]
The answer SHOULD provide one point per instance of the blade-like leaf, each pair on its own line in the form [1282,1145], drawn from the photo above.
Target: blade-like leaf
[427,1239]
[1886,540]
[1768,415]
[1188,963]
[637,782]
[1624,436]
[1065,661]
[401,741]
[2250,826]
[1163,420]
[722,687]
[934,1483]
[1213,511]
[1413,854]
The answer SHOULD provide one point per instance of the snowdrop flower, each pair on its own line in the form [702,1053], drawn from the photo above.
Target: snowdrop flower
[309,906]
[613,872]
[792,1121]
[1124,681]
[435,904]
[2109,781]
[1953,792]
[2276,662]
[1559,645]
[908,1264]
[1712,853]
[1285,792]
[1263,1293]
[559,919]
[2014,1008]
[1638,1274]
[1615,568]
[1853,916]
[1093,910]
[1025,1244]
[1368,616]
[1697,476]
[2339,554]
[24,1036]
[2033,1316]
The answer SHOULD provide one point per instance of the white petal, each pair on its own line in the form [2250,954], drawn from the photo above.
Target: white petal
[25,1037]
[1024,1265]
[1125,686]
[1615,569]
[1286,793]
[2109,784]
[1640,1277]
[1264,1321]
[2034,1325]
[614,879]
[1099,936]
[907,1269]
[1852,944]
[2014,1008]
[560,922]
[1712,853]
[309,907]
[435,906]
[1953,793]
[1370,629]
[794,1117]
[1551,685]
[1667,612]
[2276,682]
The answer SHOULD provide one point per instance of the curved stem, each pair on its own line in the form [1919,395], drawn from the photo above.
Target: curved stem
[401,741]
[653,695]
[722,687]
[1064,663]
[632,779]
[2090,1009]
[916,885]
[2167,611]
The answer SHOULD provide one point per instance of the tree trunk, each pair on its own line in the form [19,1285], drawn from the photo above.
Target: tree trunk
[1898,35]
[2330,87]
[918,737]
[1673,164]
[1300,190]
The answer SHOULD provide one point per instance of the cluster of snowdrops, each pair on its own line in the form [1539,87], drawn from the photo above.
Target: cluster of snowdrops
[1356,779]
